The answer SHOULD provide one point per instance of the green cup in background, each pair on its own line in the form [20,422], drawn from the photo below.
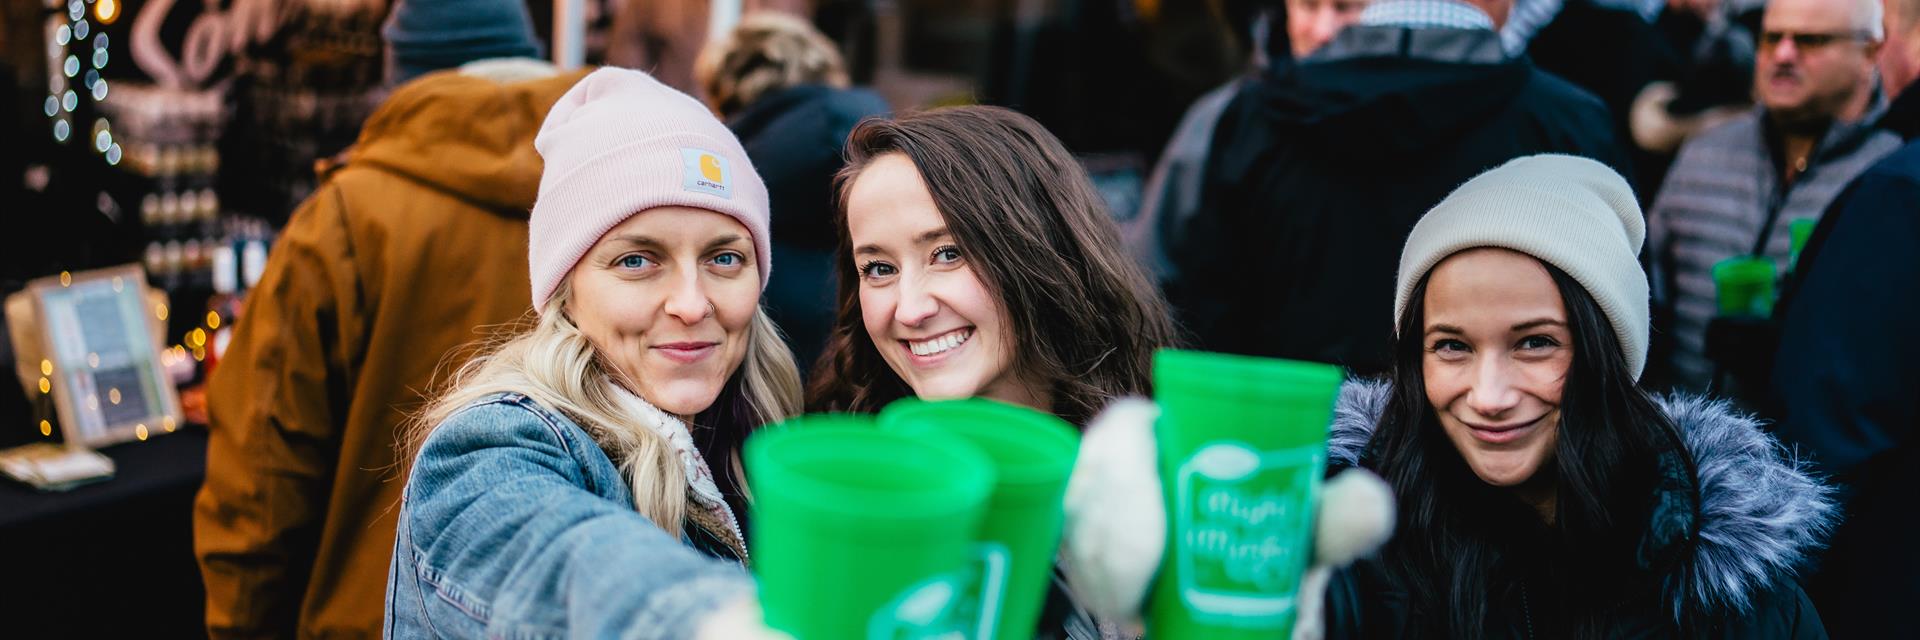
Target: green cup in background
[1800,230]
[860,532]
[1033,454]
[1242,445]
[1743,286]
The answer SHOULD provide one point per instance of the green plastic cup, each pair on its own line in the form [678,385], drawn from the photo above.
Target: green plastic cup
[1743,286]
[1033,453]
[863,533]
[1800,230]
[1243,444]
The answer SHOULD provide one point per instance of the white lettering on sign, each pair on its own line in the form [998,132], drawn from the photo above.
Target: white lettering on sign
[1235,531]
[210,38]
[1244,520]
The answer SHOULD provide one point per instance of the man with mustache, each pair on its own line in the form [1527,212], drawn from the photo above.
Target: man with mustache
[1735,189]
[1843,378]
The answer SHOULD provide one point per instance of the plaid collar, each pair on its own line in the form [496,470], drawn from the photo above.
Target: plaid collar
[1525,20]
[1425,14]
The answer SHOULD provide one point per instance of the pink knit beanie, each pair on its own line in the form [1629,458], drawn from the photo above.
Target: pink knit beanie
[619,143]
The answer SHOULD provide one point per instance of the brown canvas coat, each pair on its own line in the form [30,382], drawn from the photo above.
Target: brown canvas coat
[413,248]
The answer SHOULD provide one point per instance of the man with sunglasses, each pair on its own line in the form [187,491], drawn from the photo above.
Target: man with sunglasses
[1844,375]
[1735,189]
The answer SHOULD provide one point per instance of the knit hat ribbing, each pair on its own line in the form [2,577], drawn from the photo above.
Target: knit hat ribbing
[619,143]
[430,35]
[1572,212]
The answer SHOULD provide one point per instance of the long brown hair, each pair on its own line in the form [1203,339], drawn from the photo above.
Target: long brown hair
[1084,317]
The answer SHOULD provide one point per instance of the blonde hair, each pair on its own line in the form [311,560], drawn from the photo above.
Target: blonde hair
[766,52]
[555,365]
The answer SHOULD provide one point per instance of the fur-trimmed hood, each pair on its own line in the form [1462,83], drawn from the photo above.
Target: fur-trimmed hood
[1761,513]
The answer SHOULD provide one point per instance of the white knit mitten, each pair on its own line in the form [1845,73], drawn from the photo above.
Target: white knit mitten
[1116,525]
[740,619]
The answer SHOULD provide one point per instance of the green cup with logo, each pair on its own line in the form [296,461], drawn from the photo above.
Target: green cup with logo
[863,533]
[1243,446]
[1033,454]
[1743,286]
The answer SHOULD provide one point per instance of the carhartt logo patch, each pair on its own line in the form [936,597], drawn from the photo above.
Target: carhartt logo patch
[706,172]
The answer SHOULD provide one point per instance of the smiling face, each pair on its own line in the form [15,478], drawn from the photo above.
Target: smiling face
[927,312]
[666,298]
[1497,353]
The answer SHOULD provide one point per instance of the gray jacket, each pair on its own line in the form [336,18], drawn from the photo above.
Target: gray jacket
[1721,194]
[1172,195]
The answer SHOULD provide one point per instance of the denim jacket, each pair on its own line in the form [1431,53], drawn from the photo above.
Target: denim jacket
[515,524]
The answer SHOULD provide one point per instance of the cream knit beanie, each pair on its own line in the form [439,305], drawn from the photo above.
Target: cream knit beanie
[1570,212]
[619,143]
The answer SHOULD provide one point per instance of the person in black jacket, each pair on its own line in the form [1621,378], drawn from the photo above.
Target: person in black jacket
[1319,170]
[1541,491]
[1844,375]
[1613,53]
[782,88]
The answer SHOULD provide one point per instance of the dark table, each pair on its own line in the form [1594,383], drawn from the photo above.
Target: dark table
[112,559]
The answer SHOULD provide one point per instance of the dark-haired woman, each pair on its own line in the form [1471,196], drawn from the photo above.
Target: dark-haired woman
[980,262]
[1537,490]
[1542,493]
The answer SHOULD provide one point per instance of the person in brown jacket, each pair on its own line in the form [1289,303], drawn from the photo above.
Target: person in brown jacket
[409,250]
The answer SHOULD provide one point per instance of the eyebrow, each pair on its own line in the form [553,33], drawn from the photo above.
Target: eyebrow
[924,237]
[724,241]
[1523,326]
[1538,322]
[637,240]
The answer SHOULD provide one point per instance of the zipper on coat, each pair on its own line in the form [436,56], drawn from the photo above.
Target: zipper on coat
[1526,608]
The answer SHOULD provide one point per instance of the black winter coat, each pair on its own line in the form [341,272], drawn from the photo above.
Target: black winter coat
[1319,171]
[1728,555]
[1613,54]
[1844,379]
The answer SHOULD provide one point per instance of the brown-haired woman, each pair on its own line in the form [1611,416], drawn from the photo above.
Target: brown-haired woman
[979,261]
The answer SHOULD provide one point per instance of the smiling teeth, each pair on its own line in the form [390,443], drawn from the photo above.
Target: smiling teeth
[941,344]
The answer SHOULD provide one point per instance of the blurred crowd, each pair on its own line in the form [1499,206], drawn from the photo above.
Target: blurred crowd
[1777,133]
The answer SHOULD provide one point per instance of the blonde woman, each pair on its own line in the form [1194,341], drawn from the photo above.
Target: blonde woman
[583,478]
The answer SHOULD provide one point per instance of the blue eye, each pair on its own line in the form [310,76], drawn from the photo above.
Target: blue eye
[1449,346]
[633,261]
[945,255]
[728,260]
[876,269]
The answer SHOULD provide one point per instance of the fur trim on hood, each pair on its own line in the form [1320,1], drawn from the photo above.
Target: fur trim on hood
[1761,512]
